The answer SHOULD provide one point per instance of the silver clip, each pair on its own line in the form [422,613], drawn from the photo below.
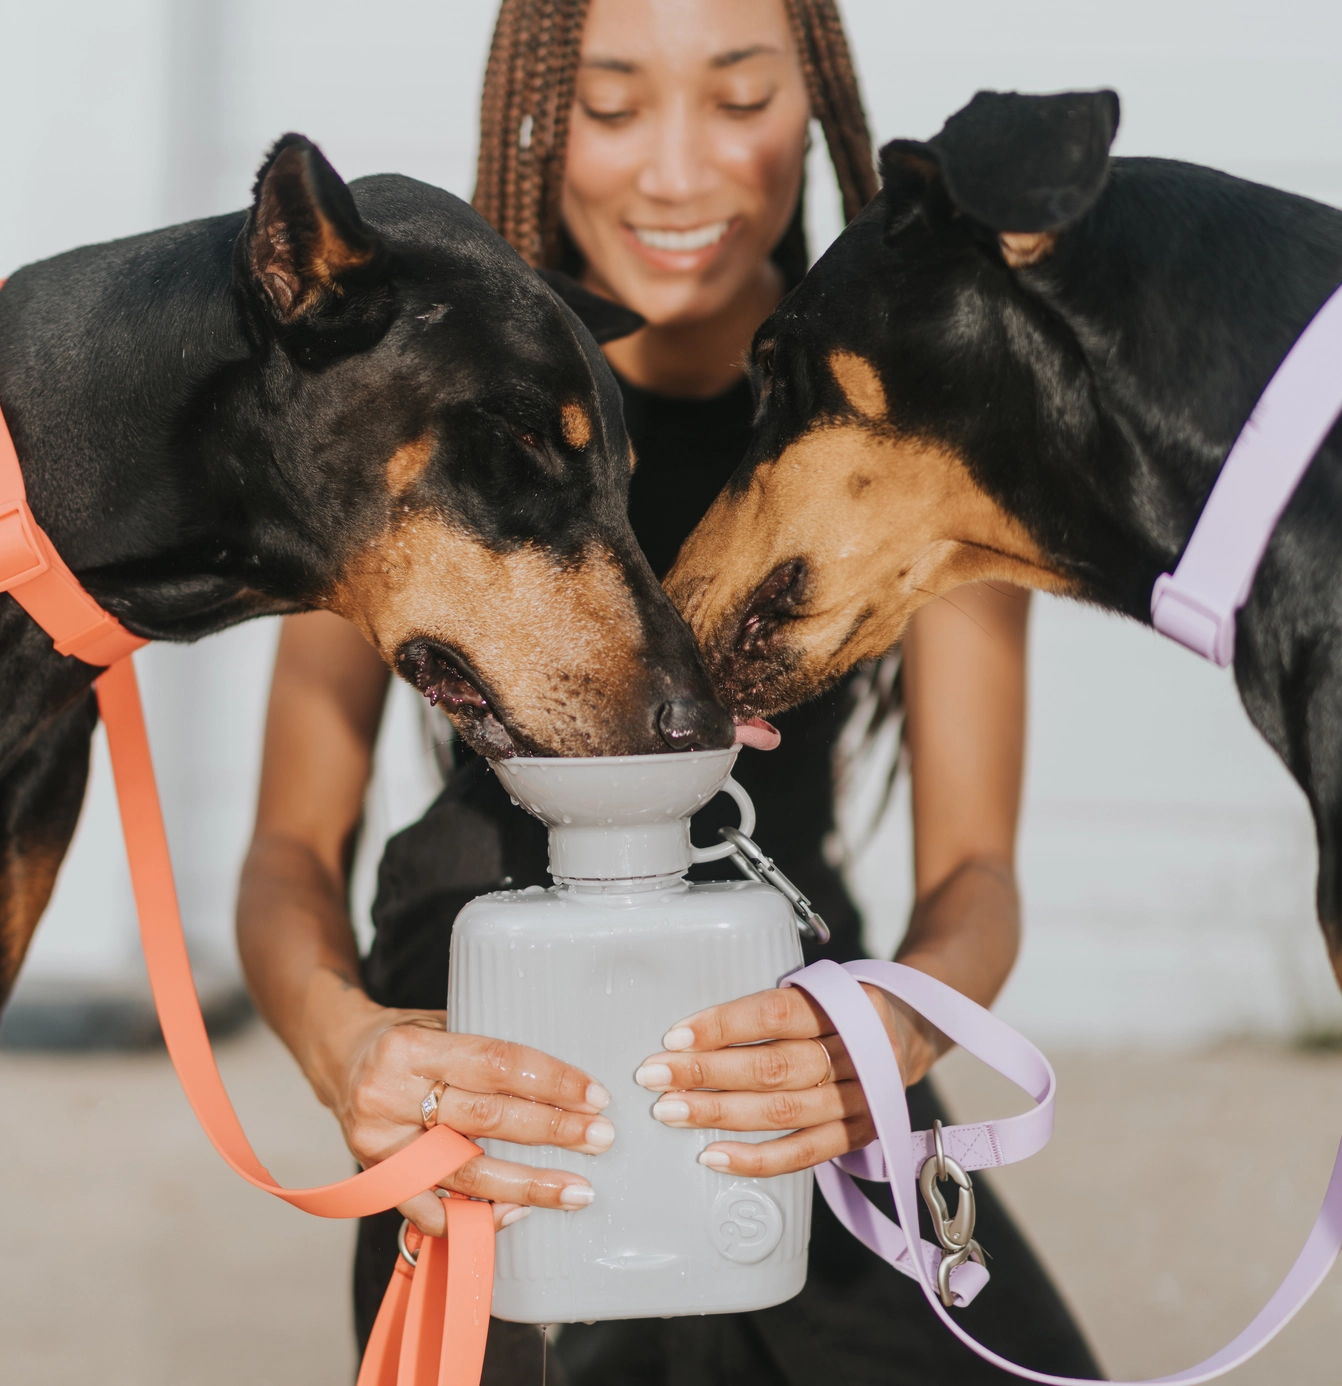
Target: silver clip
[752,863]
[956,1234]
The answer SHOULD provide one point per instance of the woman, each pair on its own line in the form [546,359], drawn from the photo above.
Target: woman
[655,148]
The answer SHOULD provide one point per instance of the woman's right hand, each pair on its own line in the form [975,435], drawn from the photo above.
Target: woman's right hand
[381,1064]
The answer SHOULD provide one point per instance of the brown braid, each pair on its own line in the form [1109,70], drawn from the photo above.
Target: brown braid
[528,96]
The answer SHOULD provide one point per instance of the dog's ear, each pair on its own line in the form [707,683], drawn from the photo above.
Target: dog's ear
[603,318]
[1025,167]
[305,245]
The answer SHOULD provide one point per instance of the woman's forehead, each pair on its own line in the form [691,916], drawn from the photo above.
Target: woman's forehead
[637,37]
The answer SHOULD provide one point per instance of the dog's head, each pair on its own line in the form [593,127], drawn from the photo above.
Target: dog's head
[866,491]
[449,466]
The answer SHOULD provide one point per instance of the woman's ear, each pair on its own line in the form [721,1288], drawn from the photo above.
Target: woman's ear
[305,245]
[605,319]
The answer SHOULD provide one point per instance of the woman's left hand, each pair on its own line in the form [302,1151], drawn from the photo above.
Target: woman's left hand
[772,1062]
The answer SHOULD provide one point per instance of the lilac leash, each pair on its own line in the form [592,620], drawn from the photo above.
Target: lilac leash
[901,1155]
[1197,604]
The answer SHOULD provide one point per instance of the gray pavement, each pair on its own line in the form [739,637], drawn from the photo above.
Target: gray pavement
[1175,1192]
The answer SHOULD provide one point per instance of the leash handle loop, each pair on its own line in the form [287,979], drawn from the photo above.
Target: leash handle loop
[902,1153]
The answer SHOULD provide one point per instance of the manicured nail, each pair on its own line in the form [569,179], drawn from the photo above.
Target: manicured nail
[576,1195]
[679,1038]
[671,1109]
[653,1076]
[597,1096]
[600,1133]
[516,1215]
[715,1159]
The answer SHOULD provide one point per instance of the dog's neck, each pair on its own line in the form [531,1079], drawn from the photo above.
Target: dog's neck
[111,361]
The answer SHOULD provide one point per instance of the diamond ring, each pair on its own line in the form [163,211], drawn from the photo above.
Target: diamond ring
[429,1107]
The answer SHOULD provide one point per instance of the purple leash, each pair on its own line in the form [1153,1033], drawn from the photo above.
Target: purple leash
[903,1156]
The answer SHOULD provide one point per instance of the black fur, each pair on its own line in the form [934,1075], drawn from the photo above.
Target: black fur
[205,415]
[1095,394]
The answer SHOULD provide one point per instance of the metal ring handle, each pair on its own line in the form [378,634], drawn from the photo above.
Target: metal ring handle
[722,850]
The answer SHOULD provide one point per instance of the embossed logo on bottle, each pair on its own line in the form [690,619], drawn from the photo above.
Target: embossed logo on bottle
[747,1224]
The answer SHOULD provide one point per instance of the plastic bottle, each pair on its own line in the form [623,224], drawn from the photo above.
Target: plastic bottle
[594,970]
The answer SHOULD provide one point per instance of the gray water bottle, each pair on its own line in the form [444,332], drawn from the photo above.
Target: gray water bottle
[594,970]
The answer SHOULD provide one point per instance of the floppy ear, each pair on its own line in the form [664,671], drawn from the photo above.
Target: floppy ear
[603,318]
[305,245]
[1025,167]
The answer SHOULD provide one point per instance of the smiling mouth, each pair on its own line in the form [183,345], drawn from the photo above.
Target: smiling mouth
[684,242]
[447,681]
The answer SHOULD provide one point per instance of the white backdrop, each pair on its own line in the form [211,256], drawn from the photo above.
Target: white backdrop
[1167,859]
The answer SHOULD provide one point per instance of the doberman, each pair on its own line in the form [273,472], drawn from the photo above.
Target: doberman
[1026,361]
[355,398]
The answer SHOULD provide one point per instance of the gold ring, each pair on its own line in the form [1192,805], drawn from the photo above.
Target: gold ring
[428,1109]
[829,1063]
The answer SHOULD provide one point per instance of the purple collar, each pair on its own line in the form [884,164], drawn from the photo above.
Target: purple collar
[1197,604]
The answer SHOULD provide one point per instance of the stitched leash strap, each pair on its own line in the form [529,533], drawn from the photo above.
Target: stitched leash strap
[1197,604]
[899,1154]
[432,1326]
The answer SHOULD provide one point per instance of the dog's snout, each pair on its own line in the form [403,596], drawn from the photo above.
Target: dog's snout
[695,724]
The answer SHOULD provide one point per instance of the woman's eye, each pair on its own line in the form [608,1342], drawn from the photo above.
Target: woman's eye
[744,100]
[606,117]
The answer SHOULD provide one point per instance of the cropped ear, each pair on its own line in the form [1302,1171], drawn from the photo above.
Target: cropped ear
[602,317]
[1025,167]
[1030,164]
[305,245]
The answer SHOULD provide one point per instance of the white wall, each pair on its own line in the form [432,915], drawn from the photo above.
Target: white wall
[1167,859]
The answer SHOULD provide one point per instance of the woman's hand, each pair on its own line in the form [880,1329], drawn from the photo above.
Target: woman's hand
[772,1062]
[382,1065]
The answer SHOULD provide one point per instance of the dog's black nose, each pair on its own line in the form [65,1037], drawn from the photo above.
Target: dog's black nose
[695,724]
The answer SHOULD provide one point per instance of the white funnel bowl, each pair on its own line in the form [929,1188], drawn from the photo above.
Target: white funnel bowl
[623,817]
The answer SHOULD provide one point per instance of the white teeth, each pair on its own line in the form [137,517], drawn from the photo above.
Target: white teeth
[697,239]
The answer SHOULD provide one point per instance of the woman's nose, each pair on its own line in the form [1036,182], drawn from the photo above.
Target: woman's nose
[677,168]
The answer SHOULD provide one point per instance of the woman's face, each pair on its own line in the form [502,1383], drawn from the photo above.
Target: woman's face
[685,150]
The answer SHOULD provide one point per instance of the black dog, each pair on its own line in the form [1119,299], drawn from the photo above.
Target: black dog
[357,399]
[1027,362]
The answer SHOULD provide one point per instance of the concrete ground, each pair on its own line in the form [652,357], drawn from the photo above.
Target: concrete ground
[1174,1194]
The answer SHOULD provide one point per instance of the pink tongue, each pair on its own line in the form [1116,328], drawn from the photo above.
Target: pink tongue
[757,733]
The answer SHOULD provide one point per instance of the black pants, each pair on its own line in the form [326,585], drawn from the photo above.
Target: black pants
[857,1322]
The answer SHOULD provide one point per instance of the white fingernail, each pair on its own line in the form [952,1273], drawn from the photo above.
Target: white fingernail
[715,1159]
[597,1096]
[600,1133]
[653,1076]
[576,1196]
[516,1215]
[679,1038]
[671,1109]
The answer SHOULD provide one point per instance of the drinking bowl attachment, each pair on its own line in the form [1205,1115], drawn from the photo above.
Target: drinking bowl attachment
[754,865]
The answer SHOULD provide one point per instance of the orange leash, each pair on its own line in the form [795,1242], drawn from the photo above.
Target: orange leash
[431,1328]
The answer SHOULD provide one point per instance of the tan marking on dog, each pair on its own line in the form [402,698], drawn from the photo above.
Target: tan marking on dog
[406,465]
[860,383]
[576,424]
[27,878]
[874,554]
[1020,249]
[561,644]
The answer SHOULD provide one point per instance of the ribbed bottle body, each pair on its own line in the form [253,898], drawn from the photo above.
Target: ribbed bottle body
[597,979]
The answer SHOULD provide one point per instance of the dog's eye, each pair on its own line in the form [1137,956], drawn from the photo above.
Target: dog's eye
[764,358]
[527,437]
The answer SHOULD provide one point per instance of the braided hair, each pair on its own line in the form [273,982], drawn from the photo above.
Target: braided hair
[528,96]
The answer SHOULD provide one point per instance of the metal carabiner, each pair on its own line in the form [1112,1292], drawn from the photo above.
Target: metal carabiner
[956,1234]
[754,865]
